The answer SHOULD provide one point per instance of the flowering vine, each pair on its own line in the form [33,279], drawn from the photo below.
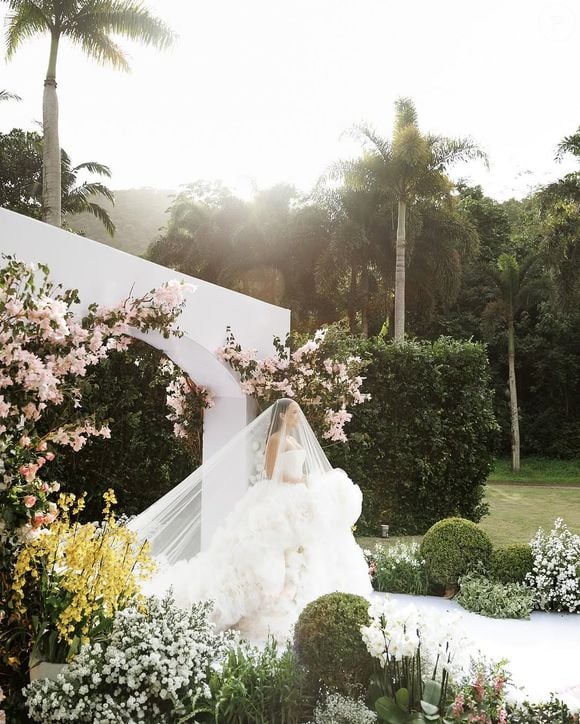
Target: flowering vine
[186,402]
[45,351]
[325,386]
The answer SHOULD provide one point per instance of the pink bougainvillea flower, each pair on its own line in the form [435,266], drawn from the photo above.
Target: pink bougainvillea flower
[29,501]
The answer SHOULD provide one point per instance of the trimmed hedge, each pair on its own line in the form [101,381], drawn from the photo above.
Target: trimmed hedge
[453,547]
[422,448]
[328,642]
[511,563]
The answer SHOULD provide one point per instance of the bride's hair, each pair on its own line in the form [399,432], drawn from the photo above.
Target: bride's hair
[280,407]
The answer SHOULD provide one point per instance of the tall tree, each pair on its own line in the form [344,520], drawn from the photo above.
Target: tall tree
[412,166]
[90,24]
[353,266]
[511,285]
[559,205]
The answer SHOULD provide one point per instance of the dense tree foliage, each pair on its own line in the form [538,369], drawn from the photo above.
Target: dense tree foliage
[330,256]
[21,181]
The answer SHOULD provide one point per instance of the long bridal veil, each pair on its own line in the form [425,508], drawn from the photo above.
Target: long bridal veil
[172,525]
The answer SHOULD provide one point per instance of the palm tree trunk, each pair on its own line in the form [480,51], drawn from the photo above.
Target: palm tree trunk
[515,422]
[51,181]
[352,300]
[400,272]
[364,296]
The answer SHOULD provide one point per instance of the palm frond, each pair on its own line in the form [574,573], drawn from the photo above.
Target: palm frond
[570,144]
[25,21]
[126,18]
[447,151]
[369,136]
[405,114]
[94,167]
[100,47]
[102,215]
[77,198]
[7,96]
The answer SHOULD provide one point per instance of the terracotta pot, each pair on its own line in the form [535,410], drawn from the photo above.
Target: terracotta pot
[44,670]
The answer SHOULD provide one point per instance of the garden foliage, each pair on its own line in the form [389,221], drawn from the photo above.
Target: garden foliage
[328,642]
[260,686]
[454,547]
[143,459]
[496,600]
[422,447]
[154,666]
[511,563]
[399,569]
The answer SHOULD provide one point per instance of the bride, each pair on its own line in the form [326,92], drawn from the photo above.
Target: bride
[287,541]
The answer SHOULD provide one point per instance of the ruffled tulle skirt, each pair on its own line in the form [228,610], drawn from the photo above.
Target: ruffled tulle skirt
[281,547]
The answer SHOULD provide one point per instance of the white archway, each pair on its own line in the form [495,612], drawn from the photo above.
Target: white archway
[105,275]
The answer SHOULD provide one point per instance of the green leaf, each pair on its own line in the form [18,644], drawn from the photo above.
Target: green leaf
[402,698]
[432,692]
[389,712]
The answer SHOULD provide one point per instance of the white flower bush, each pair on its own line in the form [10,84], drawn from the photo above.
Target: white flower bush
[339,709]
[555,575]
[153,667]
[397,633]
[399,569]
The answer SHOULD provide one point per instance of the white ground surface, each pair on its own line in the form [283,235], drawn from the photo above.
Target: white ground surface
[543,653]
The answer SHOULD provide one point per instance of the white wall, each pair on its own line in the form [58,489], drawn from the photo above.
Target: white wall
[106,275]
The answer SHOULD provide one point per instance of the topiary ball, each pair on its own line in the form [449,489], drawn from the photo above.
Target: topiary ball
[452,547]
[328,642]
[509,564]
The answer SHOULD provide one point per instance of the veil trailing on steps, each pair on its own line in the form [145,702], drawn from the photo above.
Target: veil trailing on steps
[255,455]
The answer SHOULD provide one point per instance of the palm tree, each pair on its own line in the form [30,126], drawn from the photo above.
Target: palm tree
[353,266]
[90,24]
[412,166]
[7,96]
[80,198]
[512,285]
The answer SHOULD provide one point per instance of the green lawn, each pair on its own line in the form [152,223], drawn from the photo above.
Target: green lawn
[538,470]
[517,511]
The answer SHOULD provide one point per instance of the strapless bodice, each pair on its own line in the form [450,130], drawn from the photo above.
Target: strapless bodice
[292,463]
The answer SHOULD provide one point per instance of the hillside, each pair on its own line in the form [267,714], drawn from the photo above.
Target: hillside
[138,215]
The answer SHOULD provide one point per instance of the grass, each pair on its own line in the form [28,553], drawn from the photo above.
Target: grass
[516,513]
[537,471]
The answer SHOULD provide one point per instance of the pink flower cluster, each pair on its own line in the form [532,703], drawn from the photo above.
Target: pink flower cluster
[184,398]
[326,387]
[44,352]
[481,699]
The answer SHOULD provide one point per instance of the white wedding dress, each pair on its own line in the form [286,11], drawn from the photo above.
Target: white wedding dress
[283,545]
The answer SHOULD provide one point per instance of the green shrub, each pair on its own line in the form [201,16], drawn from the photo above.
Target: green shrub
[400,569]
[496,600]
[553,711]
[143,460]
[453,547]
[261,686]
[421,449]
[511,563]
[328,642]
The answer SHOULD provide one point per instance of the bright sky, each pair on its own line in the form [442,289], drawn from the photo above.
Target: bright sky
[260,91]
